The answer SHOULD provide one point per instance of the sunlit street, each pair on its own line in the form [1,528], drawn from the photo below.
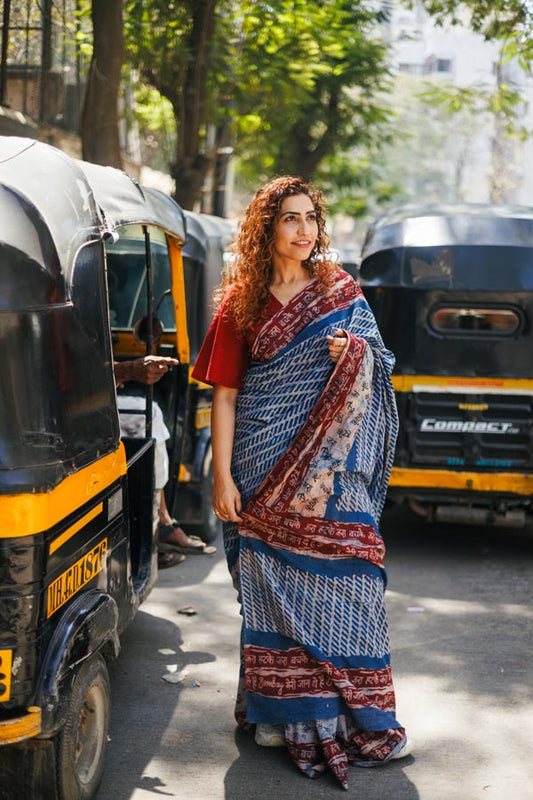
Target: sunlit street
[459,601]
[266,268]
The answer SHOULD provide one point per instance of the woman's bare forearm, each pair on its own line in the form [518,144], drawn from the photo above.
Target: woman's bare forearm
[223,429]
[226,497]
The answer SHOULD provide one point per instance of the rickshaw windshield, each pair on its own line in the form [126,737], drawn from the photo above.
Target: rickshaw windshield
[126,267]
[489,268]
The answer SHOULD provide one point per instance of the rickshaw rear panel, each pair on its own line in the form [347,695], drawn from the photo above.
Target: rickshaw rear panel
[44,573]
[452,290]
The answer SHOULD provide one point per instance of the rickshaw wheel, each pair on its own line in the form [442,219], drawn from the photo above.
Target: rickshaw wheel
[82,743]
[211,525]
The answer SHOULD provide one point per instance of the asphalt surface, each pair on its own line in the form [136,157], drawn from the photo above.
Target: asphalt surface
[460,612]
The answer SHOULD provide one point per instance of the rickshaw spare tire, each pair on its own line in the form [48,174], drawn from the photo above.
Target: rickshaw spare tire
[82,742]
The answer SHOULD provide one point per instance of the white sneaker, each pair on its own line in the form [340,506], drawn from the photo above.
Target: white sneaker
[406,750]
[270,735]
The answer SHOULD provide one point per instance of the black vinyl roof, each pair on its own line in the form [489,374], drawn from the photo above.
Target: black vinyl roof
[123,201]
[448,225]
[50,201]
[205,233]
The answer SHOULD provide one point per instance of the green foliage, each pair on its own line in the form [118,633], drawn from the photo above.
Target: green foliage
[311,72]
[158,42]
[435,139]
[157,127]
[152,109]
[507,21]
[288,83]
[504,101]
[80,28]
[495,19]
[356,185]
[455,99]
[510,23]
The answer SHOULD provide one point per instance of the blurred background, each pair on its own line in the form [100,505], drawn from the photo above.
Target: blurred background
[379,102]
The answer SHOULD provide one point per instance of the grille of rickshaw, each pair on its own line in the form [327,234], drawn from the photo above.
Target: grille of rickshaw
[485,430]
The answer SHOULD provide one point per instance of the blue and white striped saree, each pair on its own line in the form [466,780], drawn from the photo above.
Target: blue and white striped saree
[313,450]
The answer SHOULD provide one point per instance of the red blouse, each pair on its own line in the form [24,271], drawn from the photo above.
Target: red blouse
[225,353]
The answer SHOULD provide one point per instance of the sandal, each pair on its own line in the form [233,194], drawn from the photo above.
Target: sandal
[165,529]
[194,548]
[166,560]
[196,545]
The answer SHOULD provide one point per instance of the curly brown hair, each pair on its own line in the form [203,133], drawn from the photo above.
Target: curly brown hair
[250,272]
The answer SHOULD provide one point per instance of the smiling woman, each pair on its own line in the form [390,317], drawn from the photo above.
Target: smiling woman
[303,434]
[296,232]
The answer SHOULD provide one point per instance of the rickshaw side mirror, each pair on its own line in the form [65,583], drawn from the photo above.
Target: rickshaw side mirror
[140,329]
[166,293]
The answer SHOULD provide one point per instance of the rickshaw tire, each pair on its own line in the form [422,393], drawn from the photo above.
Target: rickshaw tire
[82,743]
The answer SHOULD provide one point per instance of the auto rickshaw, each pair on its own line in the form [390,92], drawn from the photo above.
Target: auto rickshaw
[187,414]
[78,537]
[204,254]
[452,290]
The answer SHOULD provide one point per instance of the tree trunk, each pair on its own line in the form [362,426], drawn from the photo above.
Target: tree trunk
[99,125]
[308,153]
[192,162]
[189,175]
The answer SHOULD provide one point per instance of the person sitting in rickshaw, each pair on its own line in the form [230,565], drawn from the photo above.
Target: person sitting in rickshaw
[174,543]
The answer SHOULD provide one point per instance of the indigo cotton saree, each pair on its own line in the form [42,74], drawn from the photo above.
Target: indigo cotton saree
[314,444]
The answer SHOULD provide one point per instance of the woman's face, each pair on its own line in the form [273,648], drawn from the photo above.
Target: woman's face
[296,229]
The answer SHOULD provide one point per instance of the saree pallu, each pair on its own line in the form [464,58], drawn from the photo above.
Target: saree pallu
[314,443]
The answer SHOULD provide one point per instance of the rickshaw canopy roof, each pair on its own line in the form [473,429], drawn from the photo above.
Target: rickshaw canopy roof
[59,401]
[206,234]
[123,201]
[52,202]
[449,225]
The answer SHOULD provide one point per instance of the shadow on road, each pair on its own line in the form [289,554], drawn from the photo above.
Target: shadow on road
[279,778]
[460,600]
[141,717]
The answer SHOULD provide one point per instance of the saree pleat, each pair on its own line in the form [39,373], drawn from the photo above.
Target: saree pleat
[313,450]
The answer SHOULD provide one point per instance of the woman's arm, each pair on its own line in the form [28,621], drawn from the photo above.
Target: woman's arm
[226,496]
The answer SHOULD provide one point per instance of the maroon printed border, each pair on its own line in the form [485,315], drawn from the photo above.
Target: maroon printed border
[303,309]
[290,674]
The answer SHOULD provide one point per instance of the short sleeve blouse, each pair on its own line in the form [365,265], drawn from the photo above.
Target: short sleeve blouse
[225,353]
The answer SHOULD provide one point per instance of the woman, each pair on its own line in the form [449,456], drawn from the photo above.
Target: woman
[303,432]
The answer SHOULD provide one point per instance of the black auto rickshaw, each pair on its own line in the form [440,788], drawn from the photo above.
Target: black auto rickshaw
[452,291]
[78,543]
[189,491]
[204,253]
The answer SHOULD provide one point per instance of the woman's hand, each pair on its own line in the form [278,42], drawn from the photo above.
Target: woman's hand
[336,344]
[226,500]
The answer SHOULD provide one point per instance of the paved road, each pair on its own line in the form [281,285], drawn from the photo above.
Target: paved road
[460,607]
